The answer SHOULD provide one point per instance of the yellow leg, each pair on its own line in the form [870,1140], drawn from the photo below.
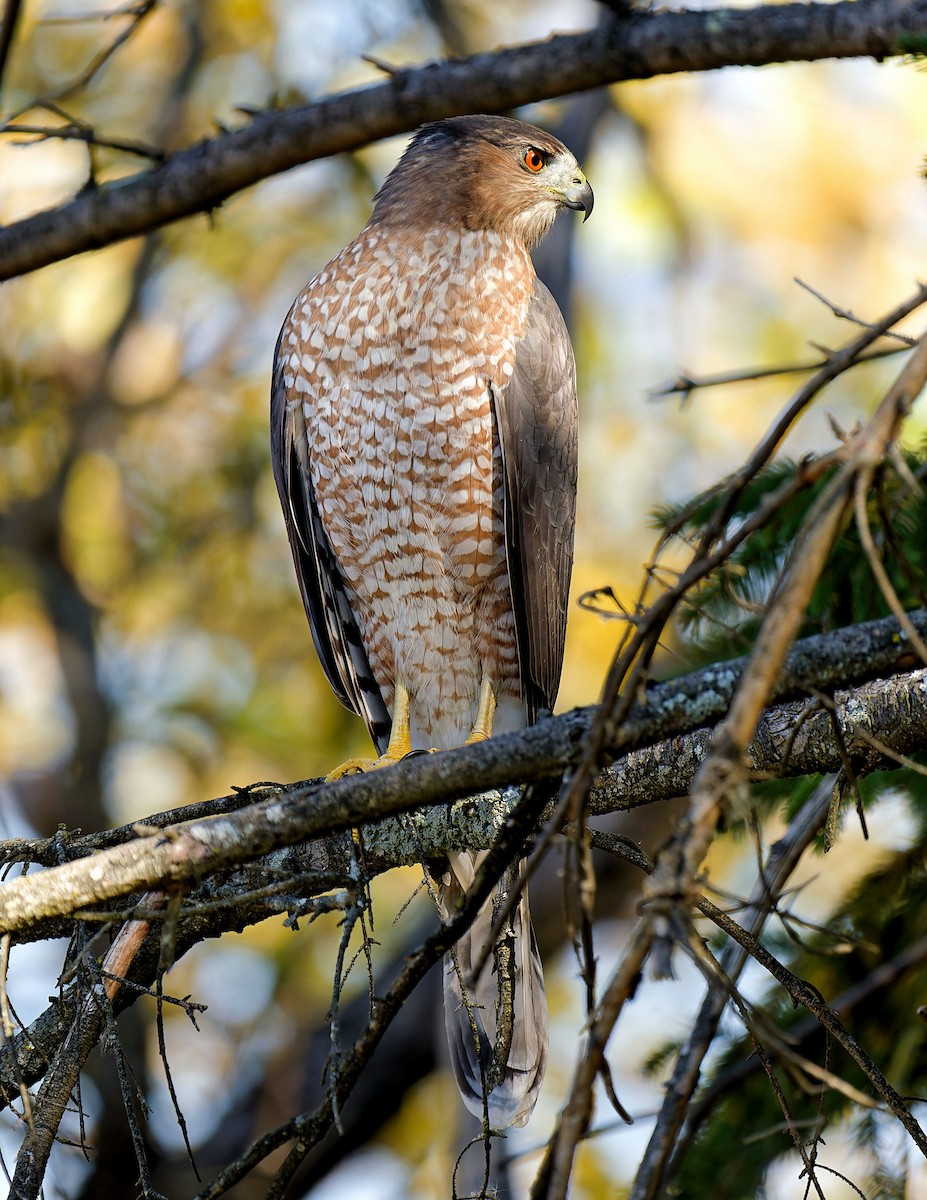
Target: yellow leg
[400,741]
[482,726]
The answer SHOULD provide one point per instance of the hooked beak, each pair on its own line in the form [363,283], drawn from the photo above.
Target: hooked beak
[578,195]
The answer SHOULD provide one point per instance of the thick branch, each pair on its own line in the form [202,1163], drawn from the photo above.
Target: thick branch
[637,45]
[790,741]
[820,663]
[894,710]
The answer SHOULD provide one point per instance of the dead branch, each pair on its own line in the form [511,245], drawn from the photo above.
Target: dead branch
[685,384]
[897,706]
[883,977]
[891,710]
[719,776]
[136,13]
[781,862]
[805,995]
[721,779]
[636,44]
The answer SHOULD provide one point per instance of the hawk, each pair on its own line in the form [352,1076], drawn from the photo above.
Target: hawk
[424,446]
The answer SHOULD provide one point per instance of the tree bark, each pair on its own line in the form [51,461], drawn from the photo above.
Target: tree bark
[672,729]
[632,44]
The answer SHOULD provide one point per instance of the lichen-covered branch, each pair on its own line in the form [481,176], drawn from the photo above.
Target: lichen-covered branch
[792,739]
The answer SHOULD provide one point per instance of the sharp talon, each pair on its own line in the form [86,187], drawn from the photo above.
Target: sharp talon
[353,766]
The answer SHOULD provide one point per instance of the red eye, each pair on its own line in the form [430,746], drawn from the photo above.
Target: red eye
[534,159]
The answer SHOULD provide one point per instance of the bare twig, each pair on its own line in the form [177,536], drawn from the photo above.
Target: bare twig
[169,1077]
[720,776]
[781,862]
[802,993]
[55,1093]
[136,12]
[81,133]
[719,982]
[860,493]
[554,1176]
[844,314]
[9,1031]
[685,384]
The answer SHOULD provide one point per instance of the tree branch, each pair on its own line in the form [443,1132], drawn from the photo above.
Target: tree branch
[635,45]
[780,863]
[790,740]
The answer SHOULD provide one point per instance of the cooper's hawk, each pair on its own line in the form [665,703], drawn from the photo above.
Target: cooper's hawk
[424,444]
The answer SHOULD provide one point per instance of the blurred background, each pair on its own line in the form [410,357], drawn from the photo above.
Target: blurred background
[153,648]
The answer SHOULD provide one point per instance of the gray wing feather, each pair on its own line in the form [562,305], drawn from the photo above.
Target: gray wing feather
[536,421]
[325,597]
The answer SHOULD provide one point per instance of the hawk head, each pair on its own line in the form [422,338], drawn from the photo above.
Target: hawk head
[482,172]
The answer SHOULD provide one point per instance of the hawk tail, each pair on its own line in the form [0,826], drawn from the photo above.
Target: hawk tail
[497,1025]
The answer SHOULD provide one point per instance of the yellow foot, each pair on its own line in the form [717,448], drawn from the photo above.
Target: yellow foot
[400,742]
[356,766]
[482,726]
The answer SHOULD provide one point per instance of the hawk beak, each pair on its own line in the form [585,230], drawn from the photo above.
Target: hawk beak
[578,195]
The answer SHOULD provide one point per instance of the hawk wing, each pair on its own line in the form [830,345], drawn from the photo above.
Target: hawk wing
[535,417]
[325,595]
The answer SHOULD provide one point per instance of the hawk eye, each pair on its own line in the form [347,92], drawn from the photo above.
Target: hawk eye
[534,159]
